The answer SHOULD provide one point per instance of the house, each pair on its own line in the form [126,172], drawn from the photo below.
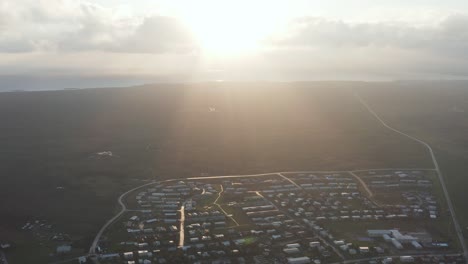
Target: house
[294,245]
[406,259]
[128,255]
[142,245]
[416,245]
[364,250]
[387,261]
[379,250]
[314,244]
[396,243]
[63,249]
[378,233]
[300,260]
[144,253]
[339,242]
[291,250]
[109,256]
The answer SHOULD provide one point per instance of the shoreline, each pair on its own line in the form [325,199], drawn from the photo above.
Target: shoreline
[401,82]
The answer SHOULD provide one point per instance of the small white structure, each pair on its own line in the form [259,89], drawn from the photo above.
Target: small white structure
[416,245]
[339,242]
[378,233]
[63,249]
[128,255]
[364,250]
[109,256]
[396,243]
[291,250]
[387,261]
[406,259]
[387,238]
[300,260]
[314,244]
[294,245]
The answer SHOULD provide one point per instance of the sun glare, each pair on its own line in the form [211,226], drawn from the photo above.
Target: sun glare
[225,27]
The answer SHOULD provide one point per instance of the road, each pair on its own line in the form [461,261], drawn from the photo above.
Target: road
[301,224]
[92,249]
[297,172]
[291,181]
[221,208]
[181,226]
[364,185]
[436,167]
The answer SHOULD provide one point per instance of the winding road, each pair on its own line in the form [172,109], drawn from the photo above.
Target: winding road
[221,208]
[436,168]
[94,245]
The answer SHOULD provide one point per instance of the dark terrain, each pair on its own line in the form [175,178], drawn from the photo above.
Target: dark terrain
[50,139]
[436,112]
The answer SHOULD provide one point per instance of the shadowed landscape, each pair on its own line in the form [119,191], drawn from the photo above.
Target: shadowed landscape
[233,131]
[436,112]
[67,155]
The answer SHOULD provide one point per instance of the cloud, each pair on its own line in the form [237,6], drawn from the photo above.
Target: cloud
[79,37]
[71,26]
[448,37]
[160,33]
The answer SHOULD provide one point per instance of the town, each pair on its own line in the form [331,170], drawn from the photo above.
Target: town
[373,216]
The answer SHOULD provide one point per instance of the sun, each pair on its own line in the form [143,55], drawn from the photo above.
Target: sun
[229,27]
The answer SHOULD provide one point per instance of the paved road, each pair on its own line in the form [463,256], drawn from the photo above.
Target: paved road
[297,172]
[221,208]
[364,185]
[301,224]
[92,249]
[436,167]
[291,181]
[181,226]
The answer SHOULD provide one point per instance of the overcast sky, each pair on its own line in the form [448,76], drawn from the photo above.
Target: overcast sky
[175,40]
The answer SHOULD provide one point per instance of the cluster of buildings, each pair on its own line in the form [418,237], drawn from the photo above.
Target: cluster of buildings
[286,218]
[398,179]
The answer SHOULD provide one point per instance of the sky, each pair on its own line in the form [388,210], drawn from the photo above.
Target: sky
[74,43]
